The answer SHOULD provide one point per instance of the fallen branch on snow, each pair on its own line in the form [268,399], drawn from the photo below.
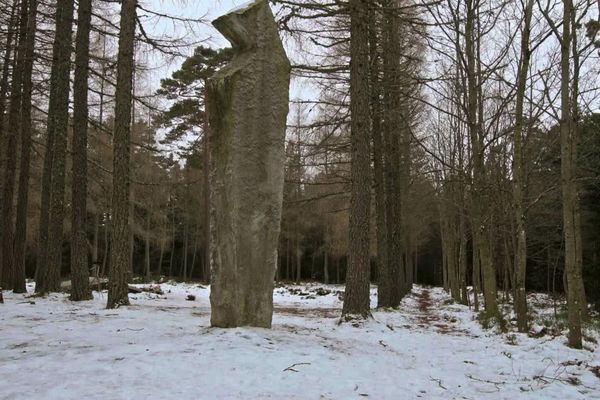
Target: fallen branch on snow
[439,382]
[291,367]
[496,384]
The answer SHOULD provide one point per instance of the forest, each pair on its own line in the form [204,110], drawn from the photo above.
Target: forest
[303,199]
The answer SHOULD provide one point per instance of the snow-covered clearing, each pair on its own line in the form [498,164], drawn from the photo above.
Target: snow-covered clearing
[162,347]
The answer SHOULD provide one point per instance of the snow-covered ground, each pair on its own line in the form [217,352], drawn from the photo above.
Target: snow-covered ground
[161,347]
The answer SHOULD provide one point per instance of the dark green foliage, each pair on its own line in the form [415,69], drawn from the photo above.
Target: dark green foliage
[186,89]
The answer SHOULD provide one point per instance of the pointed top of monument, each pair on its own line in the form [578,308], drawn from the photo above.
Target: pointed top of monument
[244,7]
[236,25]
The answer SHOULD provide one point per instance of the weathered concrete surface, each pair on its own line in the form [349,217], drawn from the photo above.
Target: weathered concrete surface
[248,107]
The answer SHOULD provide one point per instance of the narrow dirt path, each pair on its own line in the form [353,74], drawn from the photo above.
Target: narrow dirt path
[429,318]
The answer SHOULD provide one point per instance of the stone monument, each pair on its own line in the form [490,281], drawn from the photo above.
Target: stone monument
[247,110]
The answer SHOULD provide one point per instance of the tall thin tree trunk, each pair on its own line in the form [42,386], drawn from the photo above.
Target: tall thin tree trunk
[11,131]
[107,236]
[519,188]
[357,294]
[172,259]
[568,183]
[160,258]
[206,176]
[185,251]
[575,139]
[58,123]
[80,288]
[288,268]
[120,258]
[298,261]
[481,230]
[25,164]
[8,54]
[325,267]
[96,239]
[191,276]
[147,249]
[384,281]
[392,121]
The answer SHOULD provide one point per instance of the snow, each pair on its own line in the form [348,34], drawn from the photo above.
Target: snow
[243,7]
[162,346]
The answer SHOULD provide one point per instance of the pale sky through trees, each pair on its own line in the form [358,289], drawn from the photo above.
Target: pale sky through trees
[210,10]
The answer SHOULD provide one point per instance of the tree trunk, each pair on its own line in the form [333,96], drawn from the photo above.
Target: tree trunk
[58,123]
[80,288]
[576,119]
[191,276]
[384,281]
[288,261]
[25,165]
[147,249]
[172,258]
[569,185]
[95,239]
[160,258]
[298,262]
[120,258]
[520,301]
[392,155]
[325,267]
[185,251]
[464,296]
[206,176]
[11,135]
[8,54]
[476,276]
[481,230]
[107,237]
[357,294]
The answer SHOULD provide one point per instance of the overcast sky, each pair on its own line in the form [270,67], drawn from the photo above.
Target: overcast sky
[209,10]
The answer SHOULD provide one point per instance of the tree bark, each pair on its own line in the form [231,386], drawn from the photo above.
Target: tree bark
[480,224]
[25,165]
[147,249]
[325,267]
[8,54]
[519,174]
[298,260]
[357,294]
[58,122]
[568,184]
[120,232]
[11,131]
[206,176]
[80,288]
[384,281]
[392,155]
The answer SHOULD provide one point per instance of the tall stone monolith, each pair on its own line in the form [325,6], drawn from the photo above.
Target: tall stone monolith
[247,107]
